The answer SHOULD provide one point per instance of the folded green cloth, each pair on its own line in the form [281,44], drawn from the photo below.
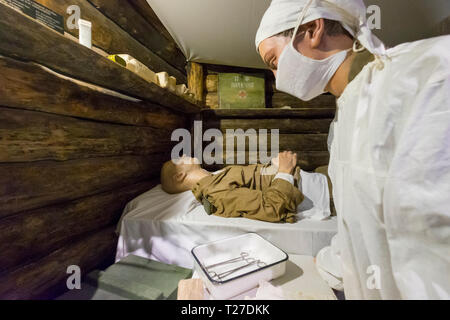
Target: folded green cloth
[138,278]
[123,287]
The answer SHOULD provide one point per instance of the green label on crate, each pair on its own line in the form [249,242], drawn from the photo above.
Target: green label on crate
[241,91]
[37,11]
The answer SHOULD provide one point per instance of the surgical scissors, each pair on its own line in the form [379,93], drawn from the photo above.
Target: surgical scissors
[243,257]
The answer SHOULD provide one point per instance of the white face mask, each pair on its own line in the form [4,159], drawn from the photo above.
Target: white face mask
[303,77]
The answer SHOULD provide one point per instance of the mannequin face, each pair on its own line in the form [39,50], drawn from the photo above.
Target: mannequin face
[186,164]
[270,50]
[311,41]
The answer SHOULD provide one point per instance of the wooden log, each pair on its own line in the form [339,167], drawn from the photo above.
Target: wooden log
[305,142]
[46,278]
[108,36]
[36,136]
[33,87]
[211,83]
[307,160]
[280,99]
[195,80]
[22,37]
[126,16]
[26,186]
[25,237]
[310,160]
[293,125]
[212,100]
[29,86]
[215,69]
[303,113]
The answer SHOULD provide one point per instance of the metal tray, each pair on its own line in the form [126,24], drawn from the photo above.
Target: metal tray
[257,248]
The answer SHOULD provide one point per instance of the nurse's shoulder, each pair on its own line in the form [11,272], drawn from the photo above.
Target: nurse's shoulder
[430,56]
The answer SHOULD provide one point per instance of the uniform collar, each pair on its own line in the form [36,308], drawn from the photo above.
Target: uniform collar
[361,59]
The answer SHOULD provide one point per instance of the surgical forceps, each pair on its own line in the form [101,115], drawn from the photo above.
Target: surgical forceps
[243,257]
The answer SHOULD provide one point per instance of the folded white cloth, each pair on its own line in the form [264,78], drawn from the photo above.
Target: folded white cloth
[316,204]
[266,291]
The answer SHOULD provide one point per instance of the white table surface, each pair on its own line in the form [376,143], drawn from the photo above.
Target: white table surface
[300,282]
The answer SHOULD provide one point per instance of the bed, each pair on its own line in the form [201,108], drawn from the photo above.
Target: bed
[166,227]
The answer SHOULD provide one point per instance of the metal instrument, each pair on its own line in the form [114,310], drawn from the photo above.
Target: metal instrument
[244,256]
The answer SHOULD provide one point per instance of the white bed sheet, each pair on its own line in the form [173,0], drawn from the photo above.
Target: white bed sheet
[166,227]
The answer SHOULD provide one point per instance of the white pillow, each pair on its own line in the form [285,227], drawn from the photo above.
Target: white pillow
[157,203]
[316,204]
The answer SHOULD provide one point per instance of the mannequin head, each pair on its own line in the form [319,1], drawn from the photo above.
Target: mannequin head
[317,40]
[181,175]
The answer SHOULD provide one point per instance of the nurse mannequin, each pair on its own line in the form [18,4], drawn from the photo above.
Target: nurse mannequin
[389,155]
[317,40]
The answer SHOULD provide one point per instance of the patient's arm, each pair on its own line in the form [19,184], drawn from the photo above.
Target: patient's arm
[276,203]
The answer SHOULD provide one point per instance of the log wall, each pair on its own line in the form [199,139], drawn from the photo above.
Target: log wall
[303,130]
[79,137]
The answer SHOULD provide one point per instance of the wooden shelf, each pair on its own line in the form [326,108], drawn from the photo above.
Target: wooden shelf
[26,39]
[305,113]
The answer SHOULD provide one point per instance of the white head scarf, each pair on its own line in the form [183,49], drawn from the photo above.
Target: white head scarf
[283,15]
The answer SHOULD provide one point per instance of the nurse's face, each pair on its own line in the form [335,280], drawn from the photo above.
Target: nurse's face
[310,41]
[270,50]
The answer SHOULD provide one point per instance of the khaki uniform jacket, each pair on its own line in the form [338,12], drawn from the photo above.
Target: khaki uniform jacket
[242,191]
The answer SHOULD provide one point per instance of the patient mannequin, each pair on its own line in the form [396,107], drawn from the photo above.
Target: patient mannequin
[262,192]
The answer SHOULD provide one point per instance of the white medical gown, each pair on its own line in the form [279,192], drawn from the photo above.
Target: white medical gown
[390,168]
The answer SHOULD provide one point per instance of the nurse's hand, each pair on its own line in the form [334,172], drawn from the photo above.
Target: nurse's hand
[287,162]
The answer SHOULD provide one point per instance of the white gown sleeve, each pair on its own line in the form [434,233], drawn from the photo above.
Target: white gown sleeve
[417,198]
[329,265]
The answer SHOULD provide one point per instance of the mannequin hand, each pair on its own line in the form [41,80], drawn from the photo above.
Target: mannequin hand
[287,161]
